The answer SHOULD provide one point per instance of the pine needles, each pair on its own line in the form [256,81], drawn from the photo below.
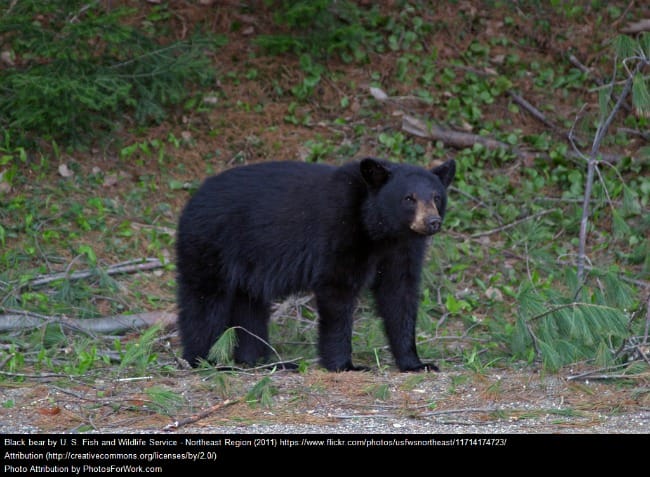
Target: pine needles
[91,72]
[561,328]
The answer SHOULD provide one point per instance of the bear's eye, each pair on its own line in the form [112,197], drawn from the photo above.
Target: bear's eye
[437,200]
[409,199]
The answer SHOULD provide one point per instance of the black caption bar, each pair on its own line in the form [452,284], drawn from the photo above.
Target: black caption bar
[79,454]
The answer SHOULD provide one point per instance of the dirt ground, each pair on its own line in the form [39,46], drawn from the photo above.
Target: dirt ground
[452,401]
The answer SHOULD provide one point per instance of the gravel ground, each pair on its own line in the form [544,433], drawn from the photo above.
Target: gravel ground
[454,401]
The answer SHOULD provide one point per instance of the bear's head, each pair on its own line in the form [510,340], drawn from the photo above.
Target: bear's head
[405,199]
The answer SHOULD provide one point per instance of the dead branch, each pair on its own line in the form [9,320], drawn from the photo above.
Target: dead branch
[637,27]
[592,164]
[18,320]
[130,266]
[634,132]
[460,411]
[34,376]
[578,64]
[534,112]
[461,140]
[602,377]
[201,415]
[456,139]
[598,373]
[512,224]
[647,321]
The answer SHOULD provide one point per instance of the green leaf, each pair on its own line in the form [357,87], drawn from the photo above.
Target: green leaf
[644,42]
[88,251]
[641,95]
[624,46]
[222,350]
[456,306]
[619,224]
[164,400]
[262,392]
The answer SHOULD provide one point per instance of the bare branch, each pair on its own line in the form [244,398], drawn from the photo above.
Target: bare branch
[17,320]
[511,224]
[460,140]
[592,164]
[201,415]
[457,139]
[536,113]
[130,266]
[637,27]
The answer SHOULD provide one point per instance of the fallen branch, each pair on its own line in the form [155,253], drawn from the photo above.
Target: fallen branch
[512,224]
[536,113]
[461,411]
[643,376]
[34,376]
[637,27]
[125,267]
[17,320]
[201,415]
[456,139]
[461,140]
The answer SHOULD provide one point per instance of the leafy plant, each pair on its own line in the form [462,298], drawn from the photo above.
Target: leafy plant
[164,401]
[262,393]
[322,27]
[561,329]
[139,354]
[222,350]
[82,72]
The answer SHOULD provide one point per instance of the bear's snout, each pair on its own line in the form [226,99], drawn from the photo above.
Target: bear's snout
[434,224]
[427,220]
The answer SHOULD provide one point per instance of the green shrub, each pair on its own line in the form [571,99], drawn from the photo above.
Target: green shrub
[79,68]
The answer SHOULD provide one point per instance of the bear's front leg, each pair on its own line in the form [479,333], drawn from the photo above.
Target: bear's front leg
[396,292]
[335,307]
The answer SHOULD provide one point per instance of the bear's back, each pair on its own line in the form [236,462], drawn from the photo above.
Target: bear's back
[267,227]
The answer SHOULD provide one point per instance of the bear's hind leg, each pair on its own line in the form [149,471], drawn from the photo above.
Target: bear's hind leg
[251,317]
[201,320]
[335,308]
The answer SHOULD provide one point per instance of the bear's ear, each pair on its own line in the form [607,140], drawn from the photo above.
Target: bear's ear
[445,172]
[374,172]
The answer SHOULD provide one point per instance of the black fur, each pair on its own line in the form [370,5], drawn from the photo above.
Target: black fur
[261,232]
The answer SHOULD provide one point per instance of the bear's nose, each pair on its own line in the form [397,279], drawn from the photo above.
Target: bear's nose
[434,223]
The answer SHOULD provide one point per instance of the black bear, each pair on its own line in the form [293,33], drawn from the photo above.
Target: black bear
[260,232]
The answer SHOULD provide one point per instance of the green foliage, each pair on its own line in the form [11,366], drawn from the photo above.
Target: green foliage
[495,285]
[634,51]
[222,350]
[560,329]
[262,393]
[317,30]
[381,391]
[77,74]
[139,354]
[164,401]
[321,28]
